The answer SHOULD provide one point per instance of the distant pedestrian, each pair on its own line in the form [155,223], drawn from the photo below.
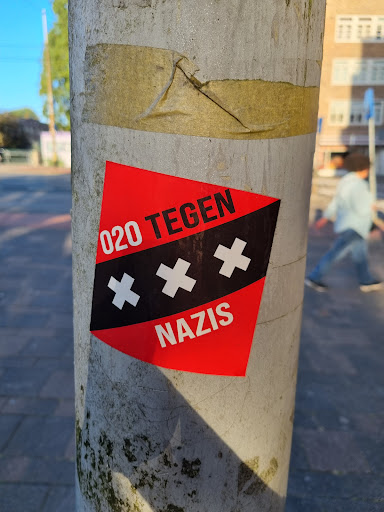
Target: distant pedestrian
[351,210]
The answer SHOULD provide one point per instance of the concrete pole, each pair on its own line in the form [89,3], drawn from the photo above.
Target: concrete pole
[151,439]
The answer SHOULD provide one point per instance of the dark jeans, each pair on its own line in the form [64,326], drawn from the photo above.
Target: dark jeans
[348,242]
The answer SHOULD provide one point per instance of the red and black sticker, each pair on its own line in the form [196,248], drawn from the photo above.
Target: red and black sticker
[180,270]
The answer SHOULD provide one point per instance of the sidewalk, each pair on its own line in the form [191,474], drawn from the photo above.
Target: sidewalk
[28,170]
[36,349]
[337,460]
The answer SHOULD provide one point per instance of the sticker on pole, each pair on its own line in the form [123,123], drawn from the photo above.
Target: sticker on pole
[180,270]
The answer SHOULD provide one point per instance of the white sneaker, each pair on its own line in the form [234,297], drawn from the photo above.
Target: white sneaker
[371,287]
[316,285]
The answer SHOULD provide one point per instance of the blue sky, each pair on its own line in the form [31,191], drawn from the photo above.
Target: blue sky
[21,47]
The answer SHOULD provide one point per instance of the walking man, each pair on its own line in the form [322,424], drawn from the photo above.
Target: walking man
[351,210]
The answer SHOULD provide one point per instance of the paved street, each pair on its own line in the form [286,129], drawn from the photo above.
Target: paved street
[337,462]
[338,446]
[338,449]
[36,348]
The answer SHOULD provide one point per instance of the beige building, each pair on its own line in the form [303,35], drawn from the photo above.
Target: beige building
[353,62]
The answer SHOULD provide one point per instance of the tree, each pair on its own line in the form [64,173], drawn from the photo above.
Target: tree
[12,134]
[58,46]
[23,113]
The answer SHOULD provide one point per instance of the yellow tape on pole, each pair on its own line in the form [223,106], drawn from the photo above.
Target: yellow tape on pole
[155,90]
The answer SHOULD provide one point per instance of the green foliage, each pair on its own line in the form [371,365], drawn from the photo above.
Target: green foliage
[23,113]
[12,134]
[58,47]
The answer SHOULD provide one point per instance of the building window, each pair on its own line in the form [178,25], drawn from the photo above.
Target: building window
[352,113]
[357,29]
[358,72]
[377,72]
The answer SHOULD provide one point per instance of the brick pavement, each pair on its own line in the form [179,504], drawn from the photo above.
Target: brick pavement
[337,462]
[36,344]
[338,446]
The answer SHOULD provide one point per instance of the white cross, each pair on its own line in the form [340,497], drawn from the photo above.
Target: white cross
[176,277]
[123,292]
[232,257]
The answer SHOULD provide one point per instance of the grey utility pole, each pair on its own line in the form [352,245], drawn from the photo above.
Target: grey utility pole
[51,109]
[226,93]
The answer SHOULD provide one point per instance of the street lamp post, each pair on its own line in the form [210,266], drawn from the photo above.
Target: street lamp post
[51,109]
[224,93]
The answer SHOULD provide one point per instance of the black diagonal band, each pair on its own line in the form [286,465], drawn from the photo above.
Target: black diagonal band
[256,229]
